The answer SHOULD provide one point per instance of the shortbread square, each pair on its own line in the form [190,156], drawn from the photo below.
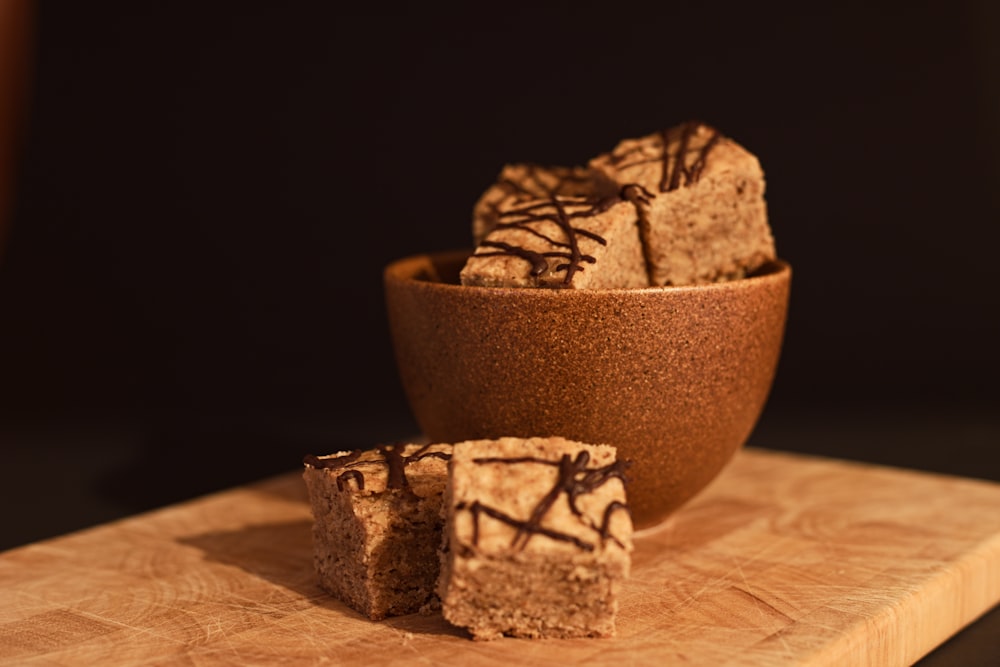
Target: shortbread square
[538,538]
[377,525]
[700,197]
[571,242]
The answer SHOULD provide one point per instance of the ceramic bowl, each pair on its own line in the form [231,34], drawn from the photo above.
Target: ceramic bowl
[675,377]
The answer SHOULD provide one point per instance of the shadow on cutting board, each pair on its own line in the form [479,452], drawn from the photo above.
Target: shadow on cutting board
[281,553]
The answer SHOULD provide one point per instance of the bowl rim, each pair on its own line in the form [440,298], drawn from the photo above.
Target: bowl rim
[405,270]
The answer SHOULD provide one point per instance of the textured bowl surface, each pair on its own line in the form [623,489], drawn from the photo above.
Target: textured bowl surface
[674,377]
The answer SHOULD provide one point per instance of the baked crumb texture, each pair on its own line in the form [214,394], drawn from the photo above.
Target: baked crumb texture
[377,526]
[518,184]
[537,538]
[678,207]
[562,241]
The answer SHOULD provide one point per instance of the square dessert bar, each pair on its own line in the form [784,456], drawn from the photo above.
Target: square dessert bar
[537,538]
[700,198]
[561,241]
[377,525]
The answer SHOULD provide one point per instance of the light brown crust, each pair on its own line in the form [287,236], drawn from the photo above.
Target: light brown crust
[521,182]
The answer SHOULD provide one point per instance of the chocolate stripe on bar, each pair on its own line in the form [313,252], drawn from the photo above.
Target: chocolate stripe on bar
[562,211]
[392,458]
[574,479]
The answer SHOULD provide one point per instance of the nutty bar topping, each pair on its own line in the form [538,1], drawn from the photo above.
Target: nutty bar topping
[554,182]
[562,211]
[575,479]
[391,456]
[676,170]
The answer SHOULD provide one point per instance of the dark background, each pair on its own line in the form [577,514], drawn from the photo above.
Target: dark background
[190,289]
[208,192]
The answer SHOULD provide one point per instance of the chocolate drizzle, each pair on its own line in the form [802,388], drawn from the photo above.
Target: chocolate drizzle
[574,479]
[539,265]
[676,173]
[356,475]
[533,186]
[392,457]
[561,210]
[635,193]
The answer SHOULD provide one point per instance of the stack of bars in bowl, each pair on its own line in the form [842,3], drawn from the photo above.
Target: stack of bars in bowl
[680,207]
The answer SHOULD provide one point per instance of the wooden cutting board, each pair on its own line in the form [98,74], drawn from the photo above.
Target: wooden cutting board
[782,560]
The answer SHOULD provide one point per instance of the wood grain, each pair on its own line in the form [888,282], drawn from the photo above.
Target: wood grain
[782,560]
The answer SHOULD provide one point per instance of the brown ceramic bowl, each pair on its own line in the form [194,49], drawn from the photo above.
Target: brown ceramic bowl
[674,377]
